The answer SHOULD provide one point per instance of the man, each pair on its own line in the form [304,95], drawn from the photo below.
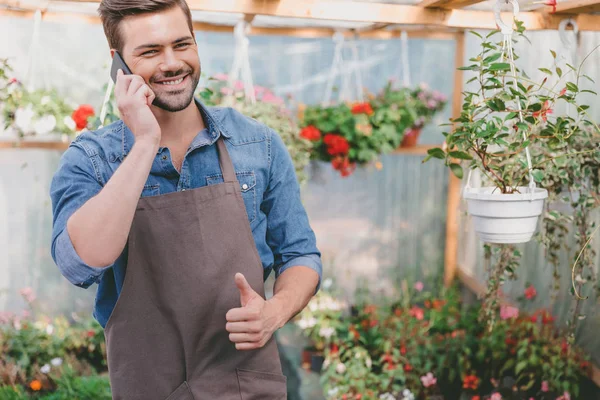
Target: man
[180,212]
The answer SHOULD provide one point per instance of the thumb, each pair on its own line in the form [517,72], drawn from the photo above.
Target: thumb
[246,291]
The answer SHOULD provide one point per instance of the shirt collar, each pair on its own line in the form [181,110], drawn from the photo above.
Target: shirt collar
[211,118]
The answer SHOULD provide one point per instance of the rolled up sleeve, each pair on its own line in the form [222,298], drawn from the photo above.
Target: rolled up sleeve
[289,234]
[73,184]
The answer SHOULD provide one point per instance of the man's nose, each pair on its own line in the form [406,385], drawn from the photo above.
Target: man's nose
[170,62]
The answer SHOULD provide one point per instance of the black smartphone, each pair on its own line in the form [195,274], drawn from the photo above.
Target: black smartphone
[118,63]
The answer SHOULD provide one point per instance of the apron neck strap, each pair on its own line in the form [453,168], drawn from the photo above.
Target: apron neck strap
[225,161]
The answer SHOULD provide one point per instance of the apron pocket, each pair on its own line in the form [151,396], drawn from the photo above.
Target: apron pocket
[183,392]
[256,385]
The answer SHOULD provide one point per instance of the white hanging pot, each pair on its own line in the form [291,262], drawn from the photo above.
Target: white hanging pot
[505,218]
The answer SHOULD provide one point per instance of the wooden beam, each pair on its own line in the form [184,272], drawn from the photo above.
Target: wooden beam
[383,13]
[277,31]
[453,200]
[578,7]
[448,4]
[24,144]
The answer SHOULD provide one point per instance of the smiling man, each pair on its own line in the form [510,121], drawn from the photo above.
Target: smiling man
[180,212]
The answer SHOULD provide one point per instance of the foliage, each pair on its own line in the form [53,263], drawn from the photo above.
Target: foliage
[268,109]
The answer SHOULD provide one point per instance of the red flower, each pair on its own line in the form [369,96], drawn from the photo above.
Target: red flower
[585,365]
[475,398]
[530,292]
[438,304]
[408,368]
[403,350]
[470,382]
[388,358]
[534,317]
[547,318]
[311,133]
[362,108]
[336,145]
[563,92]
[91,333]
[544,111]
[564,347]
[358,396]
[334,348]
[81,115]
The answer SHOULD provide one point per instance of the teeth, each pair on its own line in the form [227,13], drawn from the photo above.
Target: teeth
[177,82]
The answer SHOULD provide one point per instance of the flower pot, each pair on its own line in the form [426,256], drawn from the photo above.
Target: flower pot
[505,218]
[316,362]
[411,137]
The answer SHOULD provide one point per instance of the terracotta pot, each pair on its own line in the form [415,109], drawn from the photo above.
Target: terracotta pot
[411,137]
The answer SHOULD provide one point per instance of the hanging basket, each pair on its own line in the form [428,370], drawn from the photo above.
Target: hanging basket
[505,218]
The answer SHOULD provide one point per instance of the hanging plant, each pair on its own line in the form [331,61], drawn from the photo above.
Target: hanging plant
[347,135]
[269,109]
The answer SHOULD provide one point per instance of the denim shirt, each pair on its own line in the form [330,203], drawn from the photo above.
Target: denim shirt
[264,169]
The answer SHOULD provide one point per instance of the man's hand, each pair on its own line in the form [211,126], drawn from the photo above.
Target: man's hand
[134,98]
[252,325]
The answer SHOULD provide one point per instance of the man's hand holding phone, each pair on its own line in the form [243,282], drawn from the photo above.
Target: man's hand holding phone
[134,99]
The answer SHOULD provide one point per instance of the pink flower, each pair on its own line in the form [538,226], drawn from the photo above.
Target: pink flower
[496,396]
[545,387]
[27,294]
[258,90]
[221,77]
[565,396]
[530,292]
[417,313]
[271,98]
[508,312]
[238,85]
[6,317]
[226,90]
[26,314]
[419,286]
[428,380]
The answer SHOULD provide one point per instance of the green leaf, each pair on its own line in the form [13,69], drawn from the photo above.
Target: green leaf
[457,170]
[589,91]
[511,116]
[572,67]
[538,175]
[469,68]
[437,153]
[559,72]
[589,79]
[471,80]
[572,87]
[500,67]
[476,34]
[546,71]
[460,155]
[553,53]
[520,367]
[492,58]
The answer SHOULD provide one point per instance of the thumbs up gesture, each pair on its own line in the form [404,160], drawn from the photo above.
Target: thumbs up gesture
[252,325]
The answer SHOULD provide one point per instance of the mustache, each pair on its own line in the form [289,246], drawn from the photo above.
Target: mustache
[171,74]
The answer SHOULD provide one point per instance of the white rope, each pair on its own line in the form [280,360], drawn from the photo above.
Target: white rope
[405,59]
[345,69]
[33,51]
[104,109]
[241,62]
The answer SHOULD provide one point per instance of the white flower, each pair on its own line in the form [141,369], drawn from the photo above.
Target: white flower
[45,369]
[303,323]
[313,306]
[68,121]
[49,329]
[369,362]
[327,283]
[57,362]
[340,368]
[17,324]
[45,100]
[326,332]
[44,125]
[407,395]
[24,118]
[326,363]
[332,392]
[387,396]
[357,355]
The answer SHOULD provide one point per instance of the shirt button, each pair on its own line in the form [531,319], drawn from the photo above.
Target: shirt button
[183,190]
[164,158]
[244,186]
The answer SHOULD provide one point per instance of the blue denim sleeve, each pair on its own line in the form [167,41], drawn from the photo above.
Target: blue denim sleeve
[289,234]
[73,184]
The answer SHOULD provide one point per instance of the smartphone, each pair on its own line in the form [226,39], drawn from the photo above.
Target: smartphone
[117,64]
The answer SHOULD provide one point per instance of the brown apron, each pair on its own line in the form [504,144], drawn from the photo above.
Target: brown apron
[166,337]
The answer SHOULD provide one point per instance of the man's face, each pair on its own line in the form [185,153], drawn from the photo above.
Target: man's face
[161,49]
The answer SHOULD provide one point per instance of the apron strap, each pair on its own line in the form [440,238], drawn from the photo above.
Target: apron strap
[225,162]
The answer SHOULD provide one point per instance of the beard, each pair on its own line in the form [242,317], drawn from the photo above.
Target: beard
[175,100]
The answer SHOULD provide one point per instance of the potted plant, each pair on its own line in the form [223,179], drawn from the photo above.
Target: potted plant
[506,116]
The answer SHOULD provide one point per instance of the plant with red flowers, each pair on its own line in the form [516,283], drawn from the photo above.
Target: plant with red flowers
[348,135]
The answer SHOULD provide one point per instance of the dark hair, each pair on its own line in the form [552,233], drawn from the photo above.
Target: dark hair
[112,12]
